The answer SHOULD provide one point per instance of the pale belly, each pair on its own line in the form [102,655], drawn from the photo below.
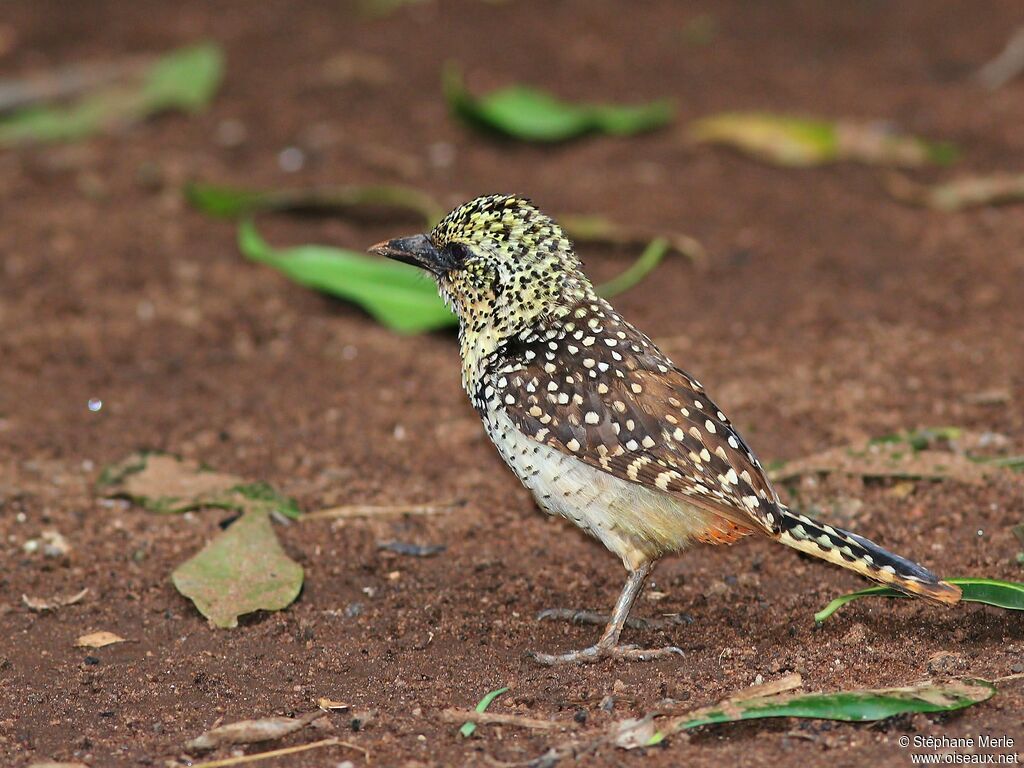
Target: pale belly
[637,523]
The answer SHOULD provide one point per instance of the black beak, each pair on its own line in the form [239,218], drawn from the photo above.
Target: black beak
[416,250]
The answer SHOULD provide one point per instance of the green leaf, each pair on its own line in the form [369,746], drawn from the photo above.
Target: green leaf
[244,569]
[1001,594]
[183,80]
[858,706]
[800,142]
[468,729]
[186,79]
[533,115]
[395,294]
[263,495]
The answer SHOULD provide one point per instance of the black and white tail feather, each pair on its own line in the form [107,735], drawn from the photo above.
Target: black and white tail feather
[863,556]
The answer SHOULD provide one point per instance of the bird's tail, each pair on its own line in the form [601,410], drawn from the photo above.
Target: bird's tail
[863,556]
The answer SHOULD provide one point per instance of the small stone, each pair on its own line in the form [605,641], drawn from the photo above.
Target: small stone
[856,635]
[291,159]
[716,588]
[946,662]
[231,133]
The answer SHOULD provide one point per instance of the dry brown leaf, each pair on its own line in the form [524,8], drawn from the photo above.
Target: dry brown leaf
[40,604]
[165,483]
[886,461]
[785,683]
[634,733]
[331,705]
[98,640]
[801,142]
[961,193]
[251,731]
[242,570]
[356,67]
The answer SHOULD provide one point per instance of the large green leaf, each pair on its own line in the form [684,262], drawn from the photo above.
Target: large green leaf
[184,80]
[244,569]
[396,295]
[1001,594]
[858,706]
[534,115]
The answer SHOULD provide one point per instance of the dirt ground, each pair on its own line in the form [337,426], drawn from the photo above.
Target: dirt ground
[827,313]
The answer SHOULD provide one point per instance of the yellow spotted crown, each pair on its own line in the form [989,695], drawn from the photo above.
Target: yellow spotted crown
[512,270]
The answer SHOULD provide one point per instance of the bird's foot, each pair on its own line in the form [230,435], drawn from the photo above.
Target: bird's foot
[601,619]
[598,652]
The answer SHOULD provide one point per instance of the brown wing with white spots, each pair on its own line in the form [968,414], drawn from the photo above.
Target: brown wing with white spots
[597,388]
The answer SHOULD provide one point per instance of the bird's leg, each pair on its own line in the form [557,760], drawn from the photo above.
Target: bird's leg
[608,646]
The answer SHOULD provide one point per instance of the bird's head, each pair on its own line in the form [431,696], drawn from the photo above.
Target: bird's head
[500,264]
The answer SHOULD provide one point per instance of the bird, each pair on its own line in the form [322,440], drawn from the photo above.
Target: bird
[598,423]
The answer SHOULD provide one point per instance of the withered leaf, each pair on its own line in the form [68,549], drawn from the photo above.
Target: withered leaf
[251,731]
[244,569]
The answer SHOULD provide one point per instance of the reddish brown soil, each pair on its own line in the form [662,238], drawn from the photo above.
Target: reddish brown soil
[828,313]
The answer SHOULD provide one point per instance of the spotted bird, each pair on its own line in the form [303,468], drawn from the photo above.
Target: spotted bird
[598,423]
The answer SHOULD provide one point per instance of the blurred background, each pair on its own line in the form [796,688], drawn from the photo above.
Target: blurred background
[840,187]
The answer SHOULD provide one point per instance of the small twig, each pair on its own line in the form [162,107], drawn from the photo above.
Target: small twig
[1007,678]
[283,751]
[69,81]
[805,736]
[602,231]
[361,510]
[1006,66]
[453,715]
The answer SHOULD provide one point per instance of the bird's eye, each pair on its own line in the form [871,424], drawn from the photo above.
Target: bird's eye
[457,253]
